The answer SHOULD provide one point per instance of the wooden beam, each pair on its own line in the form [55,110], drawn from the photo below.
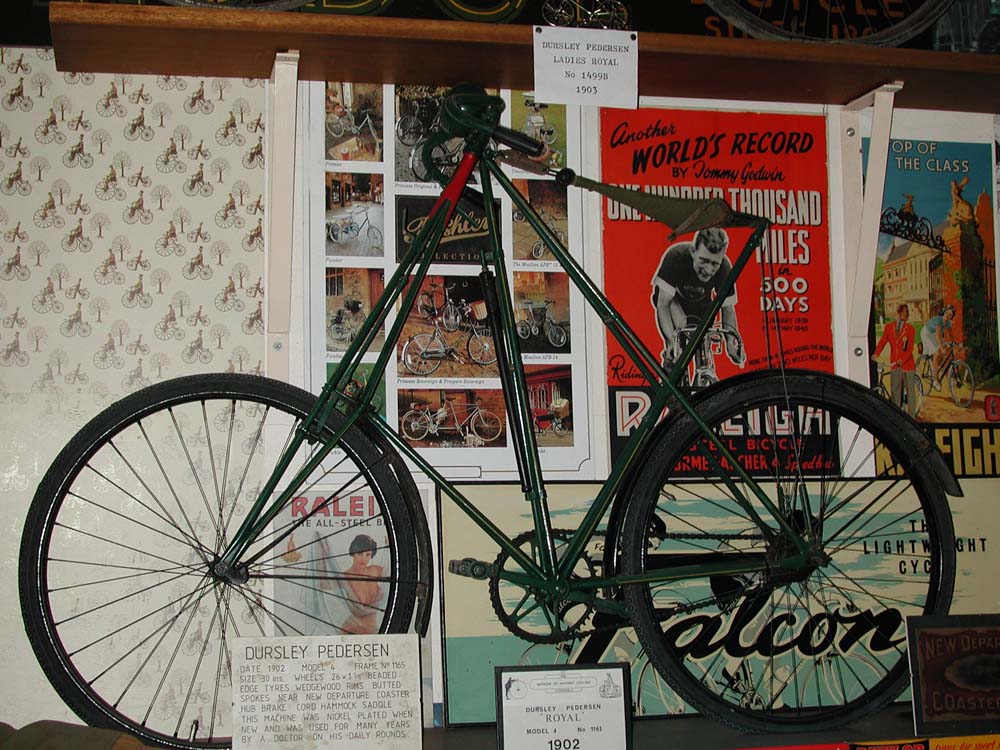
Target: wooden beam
[239,43]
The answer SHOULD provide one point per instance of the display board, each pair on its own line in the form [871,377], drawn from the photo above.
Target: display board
[369,198]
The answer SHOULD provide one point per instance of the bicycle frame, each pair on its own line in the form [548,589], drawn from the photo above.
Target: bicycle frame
[550,575]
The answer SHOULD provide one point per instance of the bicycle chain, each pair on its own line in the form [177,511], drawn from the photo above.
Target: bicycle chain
[680,608]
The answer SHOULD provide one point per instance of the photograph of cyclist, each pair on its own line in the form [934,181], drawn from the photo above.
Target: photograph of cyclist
[686,282]
[900,338]
[935,333]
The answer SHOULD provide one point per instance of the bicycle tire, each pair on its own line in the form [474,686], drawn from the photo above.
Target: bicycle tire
[414,424]
[747,15]
[556,335]
[71,529]
[486,425]
[409,130]
[960,378]
[664,517]
[487,11]
[480,347]
[413,355]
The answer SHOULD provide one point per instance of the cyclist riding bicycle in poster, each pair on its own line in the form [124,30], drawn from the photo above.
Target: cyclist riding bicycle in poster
[936,332]
[689,276]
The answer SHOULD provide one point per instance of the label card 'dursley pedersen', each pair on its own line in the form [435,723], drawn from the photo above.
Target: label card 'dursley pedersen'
[578,707]
[319,691]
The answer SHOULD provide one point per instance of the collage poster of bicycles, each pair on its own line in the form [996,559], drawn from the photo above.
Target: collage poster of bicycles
[443,393]
[443,390]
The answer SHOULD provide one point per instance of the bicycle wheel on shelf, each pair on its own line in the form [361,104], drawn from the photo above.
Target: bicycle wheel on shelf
[491,11]
[822,21]
[117,574]
[559,12]
[961,384]
[848,472]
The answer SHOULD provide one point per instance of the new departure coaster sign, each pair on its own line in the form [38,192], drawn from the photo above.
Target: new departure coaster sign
[595,67]
[323,691]
[582,707]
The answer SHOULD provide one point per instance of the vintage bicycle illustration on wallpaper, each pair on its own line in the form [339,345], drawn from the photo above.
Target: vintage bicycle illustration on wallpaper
[765,565]
[103,246]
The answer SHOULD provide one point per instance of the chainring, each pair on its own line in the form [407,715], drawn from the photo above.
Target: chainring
[552,621]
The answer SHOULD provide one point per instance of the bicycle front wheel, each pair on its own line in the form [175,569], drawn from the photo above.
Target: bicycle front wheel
[820,21]
[961,384]
[121,600]
[480,347]
[849,474]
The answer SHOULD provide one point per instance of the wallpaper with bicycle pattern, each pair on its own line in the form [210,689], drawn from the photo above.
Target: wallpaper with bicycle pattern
[131,235]
[131,221]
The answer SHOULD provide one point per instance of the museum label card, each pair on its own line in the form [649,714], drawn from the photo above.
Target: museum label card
[597,67]
[321,691]
[579,707]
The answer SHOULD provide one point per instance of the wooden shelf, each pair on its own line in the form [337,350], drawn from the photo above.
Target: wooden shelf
[225,42]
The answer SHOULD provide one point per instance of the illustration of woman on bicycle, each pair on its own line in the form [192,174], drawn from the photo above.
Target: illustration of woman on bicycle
[935,333]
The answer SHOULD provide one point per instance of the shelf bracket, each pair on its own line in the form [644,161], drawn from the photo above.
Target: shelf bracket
[279,211]
[862,209]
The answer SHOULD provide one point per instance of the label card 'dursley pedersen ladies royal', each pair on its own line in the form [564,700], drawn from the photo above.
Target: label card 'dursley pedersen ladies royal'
[323,691]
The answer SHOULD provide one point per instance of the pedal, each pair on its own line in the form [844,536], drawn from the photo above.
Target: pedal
[469,567]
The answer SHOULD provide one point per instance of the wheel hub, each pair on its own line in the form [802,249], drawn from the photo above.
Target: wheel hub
[236,575]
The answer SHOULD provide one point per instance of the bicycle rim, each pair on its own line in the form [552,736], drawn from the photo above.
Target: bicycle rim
[815,20]
[492,11]
[848,473]
[118,599]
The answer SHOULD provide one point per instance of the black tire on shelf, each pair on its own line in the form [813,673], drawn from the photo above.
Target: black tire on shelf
[118,592]
[851,477]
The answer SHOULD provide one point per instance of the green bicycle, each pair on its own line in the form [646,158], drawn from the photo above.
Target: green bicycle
[784,520]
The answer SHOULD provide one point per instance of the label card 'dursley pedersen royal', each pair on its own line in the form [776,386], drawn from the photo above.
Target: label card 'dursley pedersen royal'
[322,691]
[575,707]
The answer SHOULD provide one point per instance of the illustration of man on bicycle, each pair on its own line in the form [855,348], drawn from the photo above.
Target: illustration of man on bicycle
[900,337]
[685,284]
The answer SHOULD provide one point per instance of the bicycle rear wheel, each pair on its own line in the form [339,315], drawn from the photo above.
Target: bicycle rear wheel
[822,21]
[851,475]
[119,596]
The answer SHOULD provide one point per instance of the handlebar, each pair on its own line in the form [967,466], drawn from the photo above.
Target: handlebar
[467,108]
